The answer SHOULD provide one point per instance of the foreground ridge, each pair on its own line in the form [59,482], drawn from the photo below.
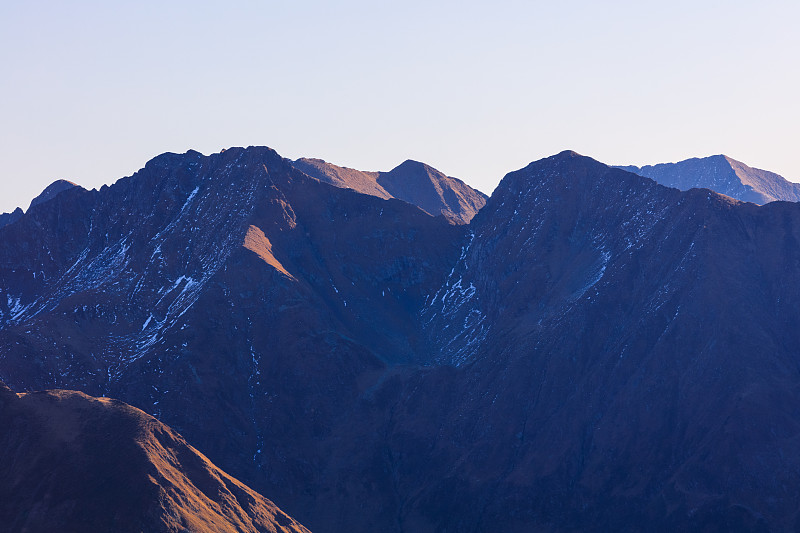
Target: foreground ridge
[70,462]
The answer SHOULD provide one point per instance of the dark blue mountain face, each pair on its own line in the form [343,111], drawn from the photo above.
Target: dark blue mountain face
[592,351]
[50,192]
[9,218]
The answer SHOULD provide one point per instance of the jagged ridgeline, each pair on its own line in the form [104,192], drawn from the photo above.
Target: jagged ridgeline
[590,351]
[724,175]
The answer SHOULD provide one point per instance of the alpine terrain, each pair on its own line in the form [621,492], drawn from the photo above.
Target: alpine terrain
[590,351]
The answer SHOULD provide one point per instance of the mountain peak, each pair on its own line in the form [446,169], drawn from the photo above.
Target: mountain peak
[567,154]
[414,165]
[412,181]
[52,190]
[9,218]
[723,174]
[432,191]
[566,163]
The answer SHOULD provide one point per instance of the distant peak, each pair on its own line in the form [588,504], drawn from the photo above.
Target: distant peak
[52,190]
[730,160]
[250,153]
[563,165]
[411,164]
[719,158]
[568,159]
[567,154]
[60,185]
[725,175]
[314,160]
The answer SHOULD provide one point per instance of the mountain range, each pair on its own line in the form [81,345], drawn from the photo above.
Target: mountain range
[591,350]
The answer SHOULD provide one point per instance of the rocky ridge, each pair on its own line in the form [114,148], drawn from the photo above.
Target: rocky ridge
[592,351]
[76,463]
[724,175]
[48,193]
[411,181]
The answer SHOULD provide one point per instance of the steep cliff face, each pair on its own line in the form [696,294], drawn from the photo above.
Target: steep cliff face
[71,462]
[592,351]
[724,175]
[413,182]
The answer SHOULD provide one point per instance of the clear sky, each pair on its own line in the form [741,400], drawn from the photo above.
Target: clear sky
[92,90]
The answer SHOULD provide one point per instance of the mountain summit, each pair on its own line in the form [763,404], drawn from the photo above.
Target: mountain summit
[48,193]
[724,175]
[411,181]
[52,190]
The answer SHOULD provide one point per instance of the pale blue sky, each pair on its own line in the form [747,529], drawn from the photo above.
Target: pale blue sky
[91,90]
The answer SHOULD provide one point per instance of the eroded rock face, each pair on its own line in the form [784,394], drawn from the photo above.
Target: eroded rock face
[592,351]
[71,462]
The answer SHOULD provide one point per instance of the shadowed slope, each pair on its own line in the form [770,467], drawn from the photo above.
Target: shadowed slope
[640,367]
[70,462]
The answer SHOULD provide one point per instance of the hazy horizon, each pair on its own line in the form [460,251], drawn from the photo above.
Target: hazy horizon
[92,91]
